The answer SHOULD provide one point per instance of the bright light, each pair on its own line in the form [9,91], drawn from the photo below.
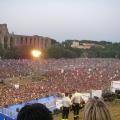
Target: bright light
[36,53]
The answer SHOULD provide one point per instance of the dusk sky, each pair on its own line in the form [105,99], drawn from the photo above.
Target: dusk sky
[63,19]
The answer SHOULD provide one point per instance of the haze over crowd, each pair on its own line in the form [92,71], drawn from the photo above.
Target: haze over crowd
[63,19]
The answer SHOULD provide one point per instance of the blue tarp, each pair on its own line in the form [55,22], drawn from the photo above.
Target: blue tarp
[10,112]
[4,117]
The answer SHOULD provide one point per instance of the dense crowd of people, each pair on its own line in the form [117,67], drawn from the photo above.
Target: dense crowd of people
[62,75]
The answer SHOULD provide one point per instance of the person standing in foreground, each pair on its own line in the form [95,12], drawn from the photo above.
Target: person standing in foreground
[95,109]
[66,106]
[34,111]
[76,99]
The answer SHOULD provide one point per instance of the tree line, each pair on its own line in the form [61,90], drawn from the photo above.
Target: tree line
[64,50]
[108,50]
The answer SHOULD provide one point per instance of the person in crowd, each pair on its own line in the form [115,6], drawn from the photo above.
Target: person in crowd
[66,106]
[95,109]
[76,99]
[34,111]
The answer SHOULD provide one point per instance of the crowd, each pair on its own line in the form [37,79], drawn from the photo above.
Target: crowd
[62,75]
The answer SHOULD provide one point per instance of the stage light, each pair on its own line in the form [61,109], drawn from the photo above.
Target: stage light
[36,53]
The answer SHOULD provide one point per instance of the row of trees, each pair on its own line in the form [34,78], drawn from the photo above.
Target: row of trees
[108,50]
[64,50]
[8,53]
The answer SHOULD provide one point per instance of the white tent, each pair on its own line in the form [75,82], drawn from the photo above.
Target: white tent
[115,85]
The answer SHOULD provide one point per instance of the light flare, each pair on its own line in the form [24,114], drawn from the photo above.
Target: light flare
[36,53]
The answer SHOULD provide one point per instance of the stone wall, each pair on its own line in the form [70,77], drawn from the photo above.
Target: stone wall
[8,40]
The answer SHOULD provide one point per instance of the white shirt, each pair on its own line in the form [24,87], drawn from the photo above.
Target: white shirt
[76,98]
[66,102]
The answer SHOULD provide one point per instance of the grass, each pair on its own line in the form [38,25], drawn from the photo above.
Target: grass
[114,108]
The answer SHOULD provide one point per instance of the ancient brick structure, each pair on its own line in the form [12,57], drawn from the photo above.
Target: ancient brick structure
[8,40]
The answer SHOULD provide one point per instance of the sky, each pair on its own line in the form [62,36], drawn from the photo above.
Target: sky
[63,19]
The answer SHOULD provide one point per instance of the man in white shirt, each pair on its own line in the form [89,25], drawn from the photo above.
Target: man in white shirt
[76,99]
[66,102]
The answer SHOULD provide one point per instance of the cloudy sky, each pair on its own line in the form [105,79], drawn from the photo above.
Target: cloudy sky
[63,19]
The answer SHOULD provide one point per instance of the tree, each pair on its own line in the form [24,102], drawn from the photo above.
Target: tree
[58,51]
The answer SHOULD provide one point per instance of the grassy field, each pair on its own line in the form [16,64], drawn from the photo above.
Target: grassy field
[114,109]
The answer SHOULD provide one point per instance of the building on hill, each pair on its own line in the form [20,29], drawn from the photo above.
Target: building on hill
[10,40]
[77,44]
